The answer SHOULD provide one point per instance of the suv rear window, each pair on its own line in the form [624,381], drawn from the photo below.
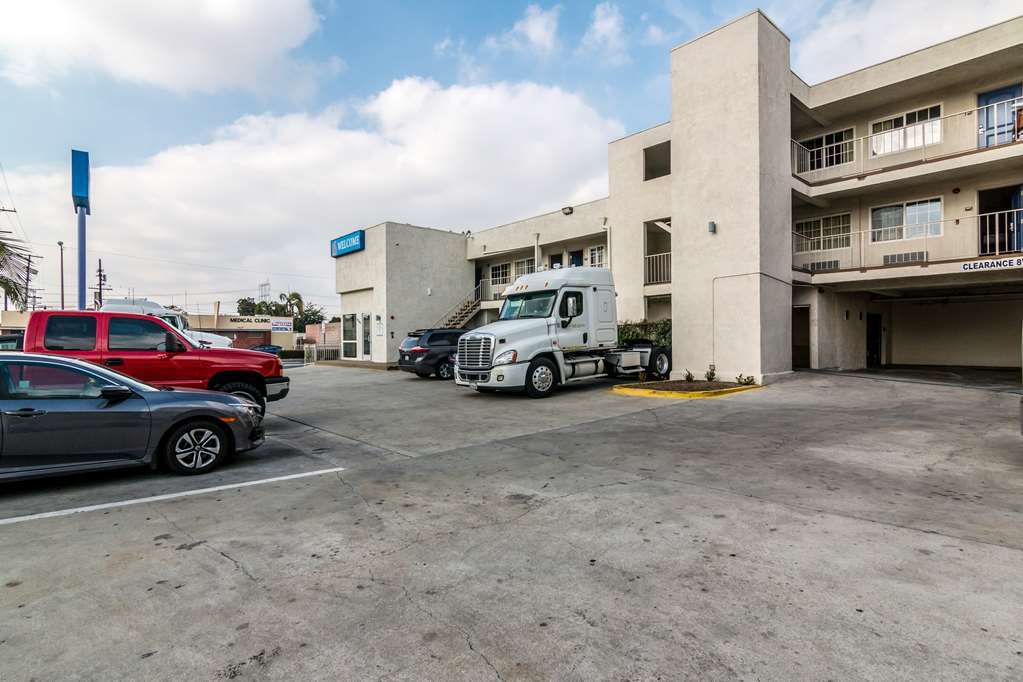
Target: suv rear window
[409,342]
[444,338]
[70,332]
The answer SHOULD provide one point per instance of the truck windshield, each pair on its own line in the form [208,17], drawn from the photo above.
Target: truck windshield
[536,304]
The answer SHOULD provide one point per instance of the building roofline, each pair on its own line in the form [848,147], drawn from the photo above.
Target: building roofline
[729,23]
[638,132]
[538,215]
[912,52]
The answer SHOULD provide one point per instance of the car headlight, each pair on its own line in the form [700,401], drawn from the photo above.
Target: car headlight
[506,358]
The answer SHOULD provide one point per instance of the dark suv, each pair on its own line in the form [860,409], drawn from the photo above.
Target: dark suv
[430,351]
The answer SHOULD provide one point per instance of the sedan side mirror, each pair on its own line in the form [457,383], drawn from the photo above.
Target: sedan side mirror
[113,393]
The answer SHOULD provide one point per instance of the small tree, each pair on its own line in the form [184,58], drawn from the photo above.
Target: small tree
[247,306]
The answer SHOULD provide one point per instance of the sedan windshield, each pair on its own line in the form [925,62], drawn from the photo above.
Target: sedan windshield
[536,304]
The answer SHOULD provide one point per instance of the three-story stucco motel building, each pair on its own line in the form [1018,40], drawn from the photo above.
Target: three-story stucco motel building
[873,219]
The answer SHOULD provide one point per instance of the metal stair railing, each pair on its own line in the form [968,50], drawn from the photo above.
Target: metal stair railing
[462,311]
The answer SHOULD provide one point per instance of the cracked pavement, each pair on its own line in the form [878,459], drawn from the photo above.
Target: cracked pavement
[824,527]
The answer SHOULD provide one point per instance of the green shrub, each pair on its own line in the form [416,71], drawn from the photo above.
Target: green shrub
[710,375]
[744,380]
[659,332]
[689,376]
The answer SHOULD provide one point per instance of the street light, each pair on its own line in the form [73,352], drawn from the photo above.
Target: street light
[61,245]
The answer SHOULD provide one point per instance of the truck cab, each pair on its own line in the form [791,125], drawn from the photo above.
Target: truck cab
[555,326]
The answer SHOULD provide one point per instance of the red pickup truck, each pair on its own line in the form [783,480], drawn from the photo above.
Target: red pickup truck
[147,348]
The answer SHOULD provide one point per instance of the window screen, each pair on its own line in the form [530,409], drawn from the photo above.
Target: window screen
[70,332]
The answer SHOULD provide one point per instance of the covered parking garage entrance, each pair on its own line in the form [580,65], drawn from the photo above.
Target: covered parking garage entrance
[957,327]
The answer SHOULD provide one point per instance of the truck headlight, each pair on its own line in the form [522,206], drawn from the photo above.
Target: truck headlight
[506,358]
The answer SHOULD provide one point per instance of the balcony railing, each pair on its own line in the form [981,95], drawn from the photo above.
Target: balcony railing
[987,235]
[989,126]
[657,268]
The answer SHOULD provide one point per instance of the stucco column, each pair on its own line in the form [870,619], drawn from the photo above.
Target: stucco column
[731,290]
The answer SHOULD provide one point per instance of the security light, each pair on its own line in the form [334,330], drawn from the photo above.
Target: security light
[568,210]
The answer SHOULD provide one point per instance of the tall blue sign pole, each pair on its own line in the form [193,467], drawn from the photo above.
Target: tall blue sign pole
[80,196]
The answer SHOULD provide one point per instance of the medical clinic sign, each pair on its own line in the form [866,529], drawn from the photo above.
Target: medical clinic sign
[994,264]
[349,243]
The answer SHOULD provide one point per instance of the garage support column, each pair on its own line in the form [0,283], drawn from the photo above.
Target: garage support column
[731,201]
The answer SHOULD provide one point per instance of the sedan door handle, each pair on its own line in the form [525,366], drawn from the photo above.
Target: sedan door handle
[113,362]
[25,412]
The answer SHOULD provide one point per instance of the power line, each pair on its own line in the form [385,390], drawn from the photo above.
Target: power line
[13,209]
[193,265]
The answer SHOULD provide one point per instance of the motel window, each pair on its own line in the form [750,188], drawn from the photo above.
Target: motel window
[500,274]
[909,130]
[524,266]
[822,234]
[911,220]
[657,161]
[597,256]
[823,151]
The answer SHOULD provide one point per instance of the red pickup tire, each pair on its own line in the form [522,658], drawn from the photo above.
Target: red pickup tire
[245,390]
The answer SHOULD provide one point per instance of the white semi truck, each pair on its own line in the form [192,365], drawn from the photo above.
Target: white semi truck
[555,326]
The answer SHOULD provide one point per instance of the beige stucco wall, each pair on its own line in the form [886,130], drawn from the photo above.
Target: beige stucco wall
[982,334]
[732,308]
[427,275]
[632,202]
[586,220]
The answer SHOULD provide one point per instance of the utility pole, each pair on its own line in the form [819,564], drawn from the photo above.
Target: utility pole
[61,245]
[101,285]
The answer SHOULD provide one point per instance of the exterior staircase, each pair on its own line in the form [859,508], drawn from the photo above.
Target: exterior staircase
[463,311]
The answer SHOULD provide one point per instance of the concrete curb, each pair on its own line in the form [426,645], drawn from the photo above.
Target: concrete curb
[628,389]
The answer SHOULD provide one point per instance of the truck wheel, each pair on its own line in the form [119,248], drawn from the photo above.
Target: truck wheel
[247,391]
[660,363]
[541,378]
[196,447]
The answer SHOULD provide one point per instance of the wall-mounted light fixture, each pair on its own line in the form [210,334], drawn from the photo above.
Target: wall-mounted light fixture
[568,210]
[712,227]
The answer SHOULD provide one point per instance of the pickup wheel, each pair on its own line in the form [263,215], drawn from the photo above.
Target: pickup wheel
[541,377]
[196,447]
[660,363]
[247,391]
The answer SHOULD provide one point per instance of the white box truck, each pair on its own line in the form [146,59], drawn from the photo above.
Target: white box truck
[555,326]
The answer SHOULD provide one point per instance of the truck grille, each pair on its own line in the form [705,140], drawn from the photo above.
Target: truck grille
[474,351]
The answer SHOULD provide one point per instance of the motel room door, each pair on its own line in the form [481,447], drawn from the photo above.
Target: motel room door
[875,336]
[997,116]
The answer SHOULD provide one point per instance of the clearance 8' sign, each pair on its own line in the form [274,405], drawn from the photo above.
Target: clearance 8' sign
[994,264]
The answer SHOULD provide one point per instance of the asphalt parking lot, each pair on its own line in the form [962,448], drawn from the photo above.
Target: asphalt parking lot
[822,527]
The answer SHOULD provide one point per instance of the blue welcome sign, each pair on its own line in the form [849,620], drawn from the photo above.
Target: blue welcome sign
[349,243]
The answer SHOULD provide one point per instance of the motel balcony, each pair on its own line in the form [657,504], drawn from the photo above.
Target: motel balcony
[953,241]
[657,268]
[915,138]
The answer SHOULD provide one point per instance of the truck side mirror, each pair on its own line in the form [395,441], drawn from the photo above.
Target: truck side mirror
[172,344]
[571,306]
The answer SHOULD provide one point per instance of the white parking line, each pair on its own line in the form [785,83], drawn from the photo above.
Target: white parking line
[168,496]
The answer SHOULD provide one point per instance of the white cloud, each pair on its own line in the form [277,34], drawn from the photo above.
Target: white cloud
[268,192]
[183,46]
[469,68]
[655,34]
[536,32]
[851,34]
[605,35]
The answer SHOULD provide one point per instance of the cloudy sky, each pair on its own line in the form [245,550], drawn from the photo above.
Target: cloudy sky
[232,139]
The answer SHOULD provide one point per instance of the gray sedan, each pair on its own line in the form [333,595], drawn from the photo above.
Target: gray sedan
[61,415]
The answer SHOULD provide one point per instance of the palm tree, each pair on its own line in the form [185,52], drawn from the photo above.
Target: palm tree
[14,270]
[294,303]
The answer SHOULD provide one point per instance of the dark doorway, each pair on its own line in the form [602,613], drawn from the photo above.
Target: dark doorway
[575,259]
[875,333]
[555,261]
[999,221]
[801,337]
